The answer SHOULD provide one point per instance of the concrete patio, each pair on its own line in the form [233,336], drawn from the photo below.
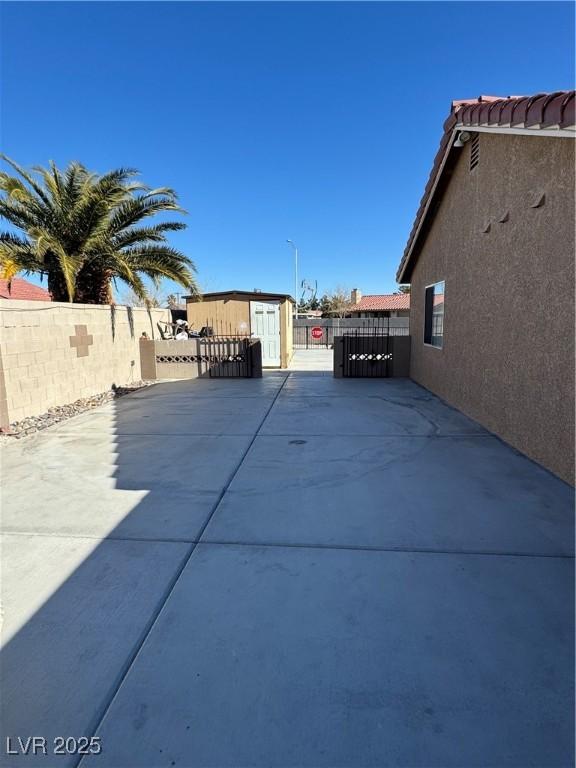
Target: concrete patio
[297,572]
[317,360]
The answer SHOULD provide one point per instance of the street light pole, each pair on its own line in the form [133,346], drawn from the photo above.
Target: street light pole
[291,242]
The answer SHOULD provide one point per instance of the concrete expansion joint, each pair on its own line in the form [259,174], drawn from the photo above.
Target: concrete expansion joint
[386,435]
[186,559]
[385,550]
[289,545]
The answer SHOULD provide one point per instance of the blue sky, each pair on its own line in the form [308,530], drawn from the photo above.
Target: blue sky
[312,121]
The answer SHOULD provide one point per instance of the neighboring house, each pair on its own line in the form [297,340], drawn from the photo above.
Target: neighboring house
[18,288]
[494,237]
[379,305]
[309,314]
[267,316]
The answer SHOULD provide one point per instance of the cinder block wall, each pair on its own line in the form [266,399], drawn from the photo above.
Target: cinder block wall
[53,353]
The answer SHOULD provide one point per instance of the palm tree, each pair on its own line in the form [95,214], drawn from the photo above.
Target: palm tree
[81,231]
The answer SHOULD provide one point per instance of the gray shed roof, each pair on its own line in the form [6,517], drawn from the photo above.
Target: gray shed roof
[256,294]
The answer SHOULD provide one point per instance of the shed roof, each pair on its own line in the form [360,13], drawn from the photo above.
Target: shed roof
[544,114]
[229,294]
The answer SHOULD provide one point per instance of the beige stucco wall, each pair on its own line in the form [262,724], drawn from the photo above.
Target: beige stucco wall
[232,316]
[508,356]
[40,367]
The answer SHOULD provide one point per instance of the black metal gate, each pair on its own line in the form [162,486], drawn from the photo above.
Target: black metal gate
[303,339]
[332,328]
[227,357]
[366,355]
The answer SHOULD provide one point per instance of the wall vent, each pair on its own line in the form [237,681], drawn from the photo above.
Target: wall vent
[474,151]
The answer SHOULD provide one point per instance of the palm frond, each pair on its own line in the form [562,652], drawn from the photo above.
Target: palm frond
[29,179]
[75,177]
[161,260]
[83,230]
[14,187]
[118,177]
[17,254]
[164,192]
[134,209]
[49,251]
[132,279]
[52,182]
[20,215]
[142,235]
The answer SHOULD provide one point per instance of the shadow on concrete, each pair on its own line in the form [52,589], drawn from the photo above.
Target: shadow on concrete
[95,539]
[276,645]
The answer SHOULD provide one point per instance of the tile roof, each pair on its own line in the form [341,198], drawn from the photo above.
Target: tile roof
[544,110]
[553,112]
[382,302]
[22,289]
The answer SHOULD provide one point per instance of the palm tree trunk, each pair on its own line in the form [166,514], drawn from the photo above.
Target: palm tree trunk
[93,286]
[57,286]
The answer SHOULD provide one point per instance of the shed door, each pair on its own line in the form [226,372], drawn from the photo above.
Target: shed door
[265,325]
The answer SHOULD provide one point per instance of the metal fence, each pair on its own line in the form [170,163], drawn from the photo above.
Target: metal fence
[307,336]
[369,354]
[214,357]
[227,357]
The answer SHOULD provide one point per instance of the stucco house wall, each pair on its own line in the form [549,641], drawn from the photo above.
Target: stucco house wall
[508,354]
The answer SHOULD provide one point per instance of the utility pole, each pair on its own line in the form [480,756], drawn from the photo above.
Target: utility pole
[291,242]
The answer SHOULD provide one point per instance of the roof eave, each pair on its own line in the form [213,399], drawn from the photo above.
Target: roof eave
[429,196]
[531,120]
[216,294]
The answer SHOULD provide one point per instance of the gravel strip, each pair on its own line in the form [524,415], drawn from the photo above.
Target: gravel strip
[60,413]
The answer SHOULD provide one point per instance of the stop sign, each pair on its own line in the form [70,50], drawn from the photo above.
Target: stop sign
[317,332]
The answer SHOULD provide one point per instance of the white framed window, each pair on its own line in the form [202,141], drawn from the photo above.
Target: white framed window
[434,315]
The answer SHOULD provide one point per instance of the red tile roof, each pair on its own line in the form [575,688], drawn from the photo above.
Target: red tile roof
[382,303]
[22,289]
[544,111]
